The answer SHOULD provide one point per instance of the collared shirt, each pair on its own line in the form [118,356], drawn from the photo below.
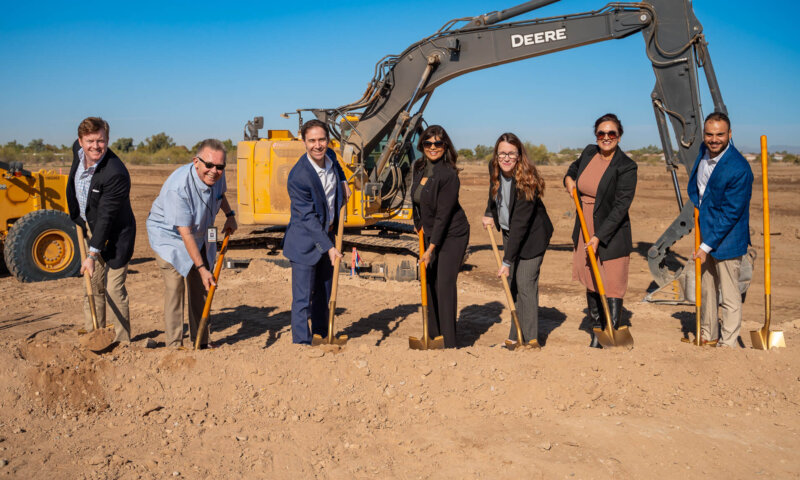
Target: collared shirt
[327,176]
[503,204]
[704,171]
[503,201]
[706,168]
[184,201]
[83,180]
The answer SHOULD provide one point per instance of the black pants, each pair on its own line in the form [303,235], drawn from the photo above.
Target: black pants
[443,290]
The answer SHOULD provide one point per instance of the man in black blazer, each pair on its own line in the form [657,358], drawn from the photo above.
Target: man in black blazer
[98,197]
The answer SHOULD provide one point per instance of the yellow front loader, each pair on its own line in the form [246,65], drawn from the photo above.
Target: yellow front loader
[39,239]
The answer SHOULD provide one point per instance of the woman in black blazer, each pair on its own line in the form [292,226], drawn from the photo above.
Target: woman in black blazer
[515,207]
[434,192]
[606,181]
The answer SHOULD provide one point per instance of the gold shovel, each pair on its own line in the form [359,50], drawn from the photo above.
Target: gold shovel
[608,337]
[698,289]
[99,339]
[764,339]
[330,339]
[520,343]
[200,338]
[426,343]
[86,277]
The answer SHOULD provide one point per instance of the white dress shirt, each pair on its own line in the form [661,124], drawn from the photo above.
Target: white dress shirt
[704,171]
[327,176]
[83,180]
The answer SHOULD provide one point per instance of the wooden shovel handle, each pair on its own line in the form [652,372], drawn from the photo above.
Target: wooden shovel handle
[767,254]
[697,262]
[210,296]
[698,277]
[509,297]
[765,197]
[592,258]
[506,288]
[336,266]
[422,270]
[86,278]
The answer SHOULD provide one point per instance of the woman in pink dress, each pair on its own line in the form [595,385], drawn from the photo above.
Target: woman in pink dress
[606,181]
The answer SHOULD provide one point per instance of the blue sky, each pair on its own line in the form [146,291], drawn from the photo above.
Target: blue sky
[202,69]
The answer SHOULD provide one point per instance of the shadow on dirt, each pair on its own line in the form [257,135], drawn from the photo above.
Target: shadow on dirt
[381,321]
[475,320]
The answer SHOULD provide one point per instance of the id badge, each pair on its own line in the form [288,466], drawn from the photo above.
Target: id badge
[211,235]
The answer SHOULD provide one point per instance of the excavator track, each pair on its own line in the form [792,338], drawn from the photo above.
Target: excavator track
[388,250]
[382,238]
[385,238]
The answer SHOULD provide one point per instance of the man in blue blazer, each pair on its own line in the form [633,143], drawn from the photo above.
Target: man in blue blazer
[721,184]
[317,190]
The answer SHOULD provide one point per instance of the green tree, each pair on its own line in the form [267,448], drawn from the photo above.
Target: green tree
[228,144]
[466,154]
[570,151]
[123,145]
[537,154]
[648,150]
[14,146]
[36,145]
[482,152]
[159,141]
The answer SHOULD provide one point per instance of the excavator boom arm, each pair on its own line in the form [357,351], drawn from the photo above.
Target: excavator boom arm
[674,44]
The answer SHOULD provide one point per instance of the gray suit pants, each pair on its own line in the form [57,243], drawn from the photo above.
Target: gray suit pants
[524,282]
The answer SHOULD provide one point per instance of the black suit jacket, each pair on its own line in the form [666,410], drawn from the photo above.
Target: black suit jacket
[612,225]
[529,226]
[439,213]
[108,208]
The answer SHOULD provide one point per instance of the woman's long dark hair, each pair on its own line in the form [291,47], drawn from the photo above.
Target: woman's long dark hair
[450,154]
[529,183]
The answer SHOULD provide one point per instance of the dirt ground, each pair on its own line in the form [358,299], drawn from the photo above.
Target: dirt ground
[260,407]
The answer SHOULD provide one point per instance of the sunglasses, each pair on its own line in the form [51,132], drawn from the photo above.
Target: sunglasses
[210,165]
[508,156]
[429,144]
[611,135]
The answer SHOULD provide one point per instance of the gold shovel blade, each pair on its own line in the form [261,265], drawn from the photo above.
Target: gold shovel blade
[619,338]
[772,339]
[533,344]
[318,340]
[706,343]
[415,343]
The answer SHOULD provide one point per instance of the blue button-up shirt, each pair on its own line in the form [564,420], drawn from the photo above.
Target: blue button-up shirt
[184,201]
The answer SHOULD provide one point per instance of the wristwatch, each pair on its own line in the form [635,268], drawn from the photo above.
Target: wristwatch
[230,214]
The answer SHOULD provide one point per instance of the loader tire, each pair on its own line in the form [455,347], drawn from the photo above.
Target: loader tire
[42,245]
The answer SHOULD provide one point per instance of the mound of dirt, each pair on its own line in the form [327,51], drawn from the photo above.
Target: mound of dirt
[63,378]
[98,340]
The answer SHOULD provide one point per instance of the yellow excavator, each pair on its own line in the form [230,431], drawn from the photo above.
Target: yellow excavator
[39,239]
[375,136]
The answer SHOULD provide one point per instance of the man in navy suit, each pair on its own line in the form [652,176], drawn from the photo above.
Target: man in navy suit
[720,185]
[317,190]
